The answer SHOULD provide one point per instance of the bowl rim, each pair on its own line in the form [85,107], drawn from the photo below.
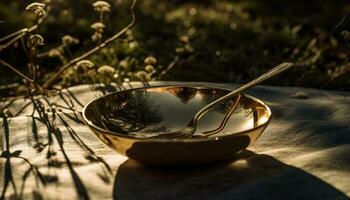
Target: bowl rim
[197,139]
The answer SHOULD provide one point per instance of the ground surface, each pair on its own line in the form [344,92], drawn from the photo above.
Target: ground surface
[303,154]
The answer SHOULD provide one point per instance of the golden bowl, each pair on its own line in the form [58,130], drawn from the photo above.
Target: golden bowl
[126,121]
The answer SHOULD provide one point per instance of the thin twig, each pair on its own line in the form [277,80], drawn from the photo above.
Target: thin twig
[336,27]
[54,78]
[16,71]
[170,67]
[21,33]
[46,53]
[13,34]
[2,47]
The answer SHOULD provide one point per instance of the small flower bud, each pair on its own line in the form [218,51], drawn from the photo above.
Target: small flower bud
[186,50]
[96,37]
[54,53]
[150,60]
[149,68]
[85,64]
[184,39]
[106,69]
[142,76]
[35,40]
[37,8]
[124,64]
[102,6]
[98,26]
[68,40]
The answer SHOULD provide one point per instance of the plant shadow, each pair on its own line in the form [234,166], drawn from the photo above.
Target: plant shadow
[247,176]
[48,127]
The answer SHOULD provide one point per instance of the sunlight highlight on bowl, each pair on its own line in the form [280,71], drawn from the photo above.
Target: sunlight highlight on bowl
[125,120]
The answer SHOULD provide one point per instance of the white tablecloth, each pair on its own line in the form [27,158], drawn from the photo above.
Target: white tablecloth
[303,154]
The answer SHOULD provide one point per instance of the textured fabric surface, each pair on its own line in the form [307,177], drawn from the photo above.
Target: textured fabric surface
[303,154]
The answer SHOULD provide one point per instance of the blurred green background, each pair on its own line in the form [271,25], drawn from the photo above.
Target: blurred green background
[210,40]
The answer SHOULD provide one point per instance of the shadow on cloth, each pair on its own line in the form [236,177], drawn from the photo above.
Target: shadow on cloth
[248,176]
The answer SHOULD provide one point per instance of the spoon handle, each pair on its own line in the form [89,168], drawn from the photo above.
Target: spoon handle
[271,73]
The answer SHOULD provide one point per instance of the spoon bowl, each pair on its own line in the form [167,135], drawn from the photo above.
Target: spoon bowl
[128,120]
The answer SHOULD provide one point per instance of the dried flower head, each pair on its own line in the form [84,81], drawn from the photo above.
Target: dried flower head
[124,64]
[142,76]
[37,8]
[54,53]
[35,40]
[68,40]
[149,68]
[85,64]
[184,39]
[106,69]
[150,60]
[98,27]
[96,37]
[186,50]
[102,6]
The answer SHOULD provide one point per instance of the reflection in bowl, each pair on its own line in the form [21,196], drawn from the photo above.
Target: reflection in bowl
[126,120]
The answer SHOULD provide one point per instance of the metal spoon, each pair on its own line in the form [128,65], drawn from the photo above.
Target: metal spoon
[189,130]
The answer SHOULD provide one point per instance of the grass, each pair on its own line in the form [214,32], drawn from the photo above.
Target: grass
[219,41]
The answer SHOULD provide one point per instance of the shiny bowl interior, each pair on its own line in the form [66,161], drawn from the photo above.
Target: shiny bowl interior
[125,120]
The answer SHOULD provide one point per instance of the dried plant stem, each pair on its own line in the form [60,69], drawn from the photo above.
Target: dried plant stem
[170,67]
[15,39]
[13,34]
[101,17]
[346,17]
[21,33]
[16,71]
[33,59]
[56,76]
